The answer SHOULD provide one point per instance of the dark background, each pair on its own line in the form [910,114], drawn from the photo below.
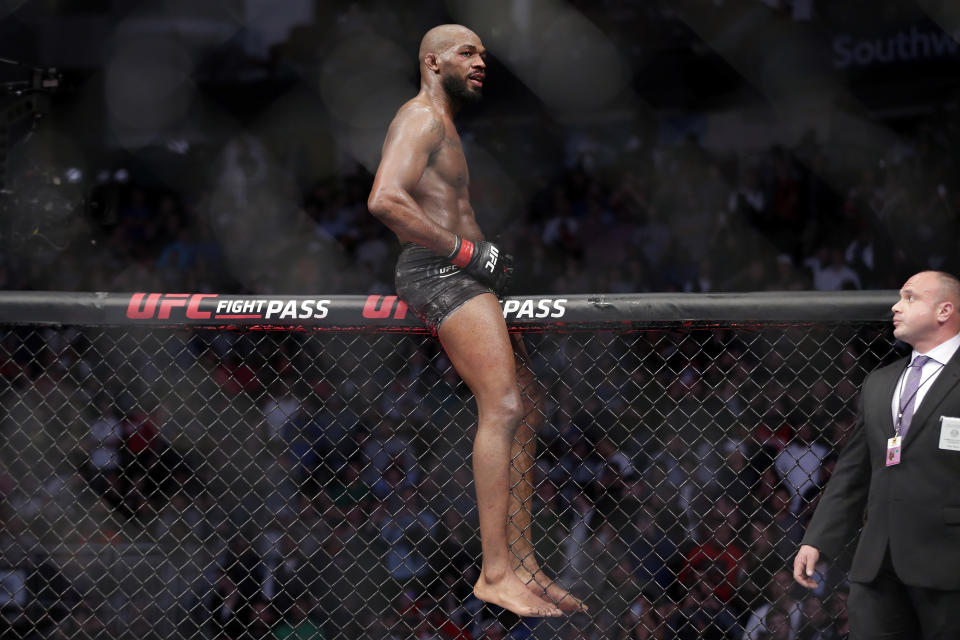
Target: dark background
[621,146]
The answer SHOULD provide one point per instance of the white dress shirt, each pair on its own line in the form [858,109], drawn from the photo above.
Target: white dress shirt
[939,356]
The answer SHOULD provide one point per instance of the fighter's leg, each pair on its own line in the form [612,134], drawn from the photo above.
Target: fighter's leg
[475,339]
[519,514]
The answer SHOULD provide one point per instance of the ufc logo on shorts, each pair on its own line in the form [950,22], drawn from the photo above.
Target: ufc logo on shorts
[492,262]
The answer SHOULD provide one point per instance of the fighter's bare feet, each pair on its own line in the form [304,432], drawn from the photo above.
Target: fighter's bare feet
[543,587]
[512,594]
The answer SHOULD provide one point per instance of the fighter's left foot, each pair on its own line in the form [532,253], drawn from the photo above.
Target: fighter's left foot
[543,587]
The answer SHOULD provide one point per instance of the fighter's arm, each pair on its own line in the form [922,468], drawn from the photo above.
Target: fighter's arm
[413,136]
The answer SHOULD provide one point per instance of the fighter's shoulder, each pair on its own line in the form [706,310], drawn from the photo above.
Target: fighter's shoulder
[419,118]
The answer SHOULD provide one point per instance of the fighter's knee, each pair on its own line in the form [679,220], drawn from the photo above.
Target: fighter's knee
[508,411]
[513,409]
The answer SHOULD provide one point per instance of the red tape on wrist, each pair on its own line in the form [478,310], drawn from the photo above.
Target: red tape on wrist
[462,259]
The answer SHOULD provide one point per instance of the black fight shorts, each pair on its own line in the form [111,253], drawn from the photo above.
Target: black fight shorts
[431,286]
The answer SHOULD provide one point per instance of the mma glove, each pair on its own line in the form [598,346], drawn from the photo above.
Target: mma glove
[485,262]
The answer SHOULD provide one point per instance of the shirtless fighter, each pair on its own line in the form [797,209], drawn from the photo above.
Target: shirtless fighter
[451,278]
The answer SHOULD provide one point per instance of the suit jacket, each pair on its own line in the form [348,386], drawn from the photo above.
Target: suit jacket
[912,507]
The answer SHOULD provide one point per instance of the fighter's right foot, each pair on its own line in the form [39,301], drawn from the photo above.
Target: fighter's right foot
[513,595]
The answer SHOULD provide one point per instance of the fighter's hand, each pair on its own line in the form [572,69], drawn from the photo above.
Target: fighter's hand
[804,564]
[485,262]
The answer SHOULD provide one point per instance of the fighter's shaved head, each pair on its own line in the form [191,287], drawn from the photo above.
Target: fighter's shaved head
[444,36]
[452,64]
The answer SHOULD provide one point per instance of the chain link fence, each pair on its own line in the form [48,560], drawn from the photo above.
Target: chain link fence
[224,484]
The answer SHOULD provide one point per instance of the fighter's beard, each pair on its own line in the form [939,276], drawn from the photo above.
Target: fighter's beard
[458,90]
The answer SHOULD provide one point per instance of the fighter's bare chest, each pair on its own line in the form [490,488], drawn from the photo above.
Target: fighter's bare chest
[449,164]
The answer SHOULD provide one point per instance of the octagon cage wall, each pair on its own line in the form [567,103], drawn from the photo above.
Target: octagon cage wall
[210,467]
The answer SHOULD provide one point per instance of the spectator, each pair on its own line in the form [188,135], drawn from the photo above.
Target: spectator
[277,489]
[787,526]
[561,232]
[84,622]
[761,561]
[410,533]
[137,222]
[389,446]
[736,477]
[279,405]
[455,557]
[263,621]
[799,462]
[300,622]
[349,489]
[830,272]
[779,598]
[140,465]
[868,253]
[652,236]
[287,573]
[491,630]
[788,277]
[817,624]
[777,625]
[715,562]
[351,561]
[754,276]
[236,375]
[228,612]
[452,610]
[303,434]
[702,616]
[244,571]
[178,256]
[640,622]
[610,571]
[653,552]
[748,200]
[102,446]
[180,519]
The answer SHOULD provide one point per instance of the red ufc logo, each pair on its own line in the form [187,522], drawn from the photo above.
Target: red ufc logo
[379,307]
[158,305]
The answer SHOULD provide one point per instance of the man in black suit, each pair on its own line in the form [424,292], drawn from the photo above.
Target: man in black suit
[902,468]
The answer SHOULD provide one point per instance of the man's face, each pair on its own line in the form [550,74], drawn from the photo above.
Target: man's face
[464,71]
[915,313]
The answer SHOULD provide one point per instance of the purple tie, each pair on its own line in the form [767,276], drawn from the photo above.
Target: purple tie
[909,393]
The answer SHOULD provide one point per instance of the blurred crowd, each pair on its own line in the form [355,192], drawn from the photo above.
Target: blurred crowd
[674,479]
[609,214]
[627,199]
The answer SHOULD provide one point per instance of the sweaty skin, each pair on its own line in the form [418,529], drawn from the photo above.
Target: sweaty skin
[421,192]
